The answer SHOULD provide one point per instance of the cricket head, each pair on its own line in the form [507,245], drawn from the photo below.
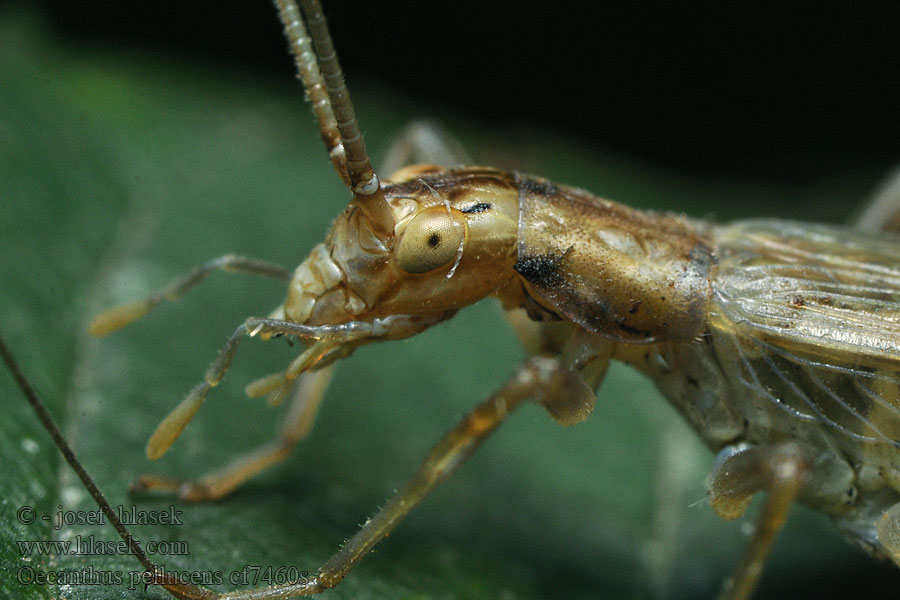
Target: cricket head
[453,242]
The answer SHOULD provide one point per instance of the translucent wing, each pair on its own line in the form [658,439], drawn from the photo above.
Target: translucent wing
[819,291]
[806,322]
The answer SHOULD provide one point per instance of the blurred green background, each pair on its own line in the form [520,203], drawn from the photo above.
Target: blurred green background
[120,168]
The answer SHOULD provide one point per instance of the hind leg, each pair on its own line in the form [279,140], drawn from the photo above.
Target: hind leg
[781,471]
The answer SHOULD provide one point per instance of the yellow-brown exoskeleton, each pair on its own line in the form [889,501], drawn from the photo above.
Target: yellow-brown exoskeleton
[778,342]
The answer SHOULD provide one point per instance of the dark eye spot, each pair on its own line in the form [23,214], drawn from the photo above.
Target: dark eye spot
[434,240]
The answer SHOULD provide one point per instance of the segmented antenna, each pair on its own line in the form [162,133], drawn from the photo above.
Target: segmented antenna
[309,74]
[156,575]
[317,63]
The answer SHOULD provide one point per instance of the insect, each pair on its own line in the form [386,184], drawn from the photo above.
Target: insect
[232,376]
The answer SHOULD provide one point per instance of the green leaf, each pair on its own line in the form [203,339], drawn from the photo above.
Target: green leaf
[118,172]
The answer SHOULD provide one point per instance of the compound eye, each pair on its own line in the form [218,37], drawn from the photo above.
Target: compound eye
[431,239]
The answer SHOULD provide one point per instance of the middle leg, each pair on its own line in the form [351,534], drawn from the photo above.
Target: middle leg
[781,470]
[540,379]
